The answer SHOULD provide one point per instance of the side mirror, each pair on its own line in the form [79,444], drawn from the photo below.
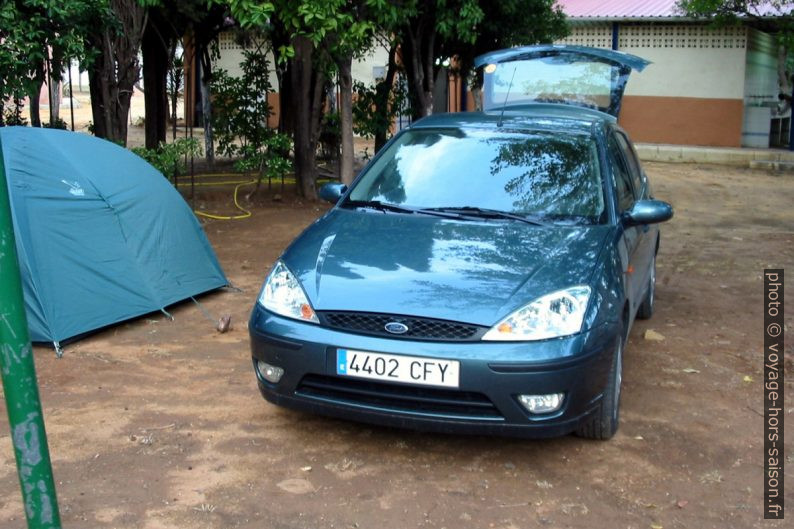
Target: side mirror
[648,212]
[332,192]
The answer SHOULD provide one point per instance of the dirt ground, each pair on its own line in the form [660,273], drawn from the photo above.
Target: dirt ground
[158,424]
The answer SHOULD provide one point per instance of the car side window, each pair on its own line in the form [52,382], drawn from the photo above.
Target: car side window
[625,194]
[637,176]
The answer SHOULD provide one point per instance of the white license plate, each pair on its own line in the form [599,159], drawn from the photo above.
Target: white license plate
[398,368]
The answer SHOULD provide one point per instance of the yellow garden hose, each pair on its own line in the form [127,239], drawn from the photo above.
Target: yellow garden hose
[237,185]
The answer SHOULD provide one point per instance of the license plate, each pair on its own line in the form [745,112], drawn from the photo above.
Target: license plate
[398,368]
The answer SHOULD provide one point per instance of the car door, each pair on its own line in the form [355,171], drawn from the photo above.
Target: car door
[646,234]
[630,241]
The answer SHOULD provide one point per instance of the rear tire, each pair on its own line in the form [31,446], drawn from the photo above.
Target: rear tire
[603,424]
[646,308]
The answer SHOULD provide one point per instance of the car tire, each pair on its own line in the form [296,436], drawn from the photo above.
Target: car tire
[603,424]
[646,307]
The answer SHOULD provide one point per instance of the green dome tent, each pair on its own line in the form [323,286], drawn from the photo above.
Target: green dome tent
[101,235]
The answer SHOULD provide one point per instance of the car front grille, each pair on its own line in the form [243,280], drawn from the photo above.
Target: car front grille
[395,398]
[418,328]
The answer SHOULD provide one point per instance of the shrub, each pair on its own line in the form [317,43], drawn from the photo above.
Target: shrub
[169,158]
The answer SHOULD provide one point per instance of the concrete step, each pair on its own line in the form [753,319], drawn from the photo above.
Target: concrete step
[772,165]
[774,159]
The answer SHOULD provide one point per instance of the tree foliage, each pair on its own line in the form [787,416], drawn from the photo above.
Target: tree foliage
[314,39]
[772,16]
[505,24]
[438,32]
[240,115]
[40,37]
[375,108]
[169,158]
[310,38]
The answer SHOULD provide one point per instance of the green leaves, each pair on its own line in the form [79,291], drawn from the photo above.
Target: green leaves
[35,31]
[371,116]
[249,13]
[327,23]
[239,118]
[168,158]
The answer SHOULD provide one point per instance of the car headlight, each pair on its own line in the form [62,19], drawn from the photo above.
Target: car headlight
[283,295]
[557,314]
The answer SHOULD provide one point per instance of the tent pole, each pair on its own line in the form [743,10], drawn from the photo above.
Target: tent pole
[20,387]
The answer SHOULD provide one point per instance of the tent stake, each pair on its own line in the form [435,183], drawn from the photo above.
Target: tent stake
[58,349]
[167,315]
[234,288]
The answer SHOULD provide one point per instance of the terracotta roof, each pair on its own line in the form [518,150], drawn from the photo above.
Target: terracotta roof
[638,9]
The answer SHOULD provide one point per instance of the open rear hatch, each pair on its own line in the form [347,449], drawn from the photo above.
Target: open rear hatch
[574,75]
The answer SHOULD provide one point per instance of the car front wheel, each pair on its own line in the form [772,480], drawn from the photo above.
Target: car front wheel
[604,423]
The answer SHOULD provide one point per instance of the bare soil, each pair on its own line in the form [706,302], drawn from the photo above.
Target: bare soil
[158,424]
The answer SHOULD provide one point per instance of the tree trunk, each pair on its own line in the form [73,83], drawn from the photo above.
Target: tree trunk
[155,72]
[34,98]
[286,115]
[115,70]
[54,89]
[97,127]
[418,53]
[205,73]
[382,101]
[307,84]
[346,119]
[286,101]
[177,75]
[35,111]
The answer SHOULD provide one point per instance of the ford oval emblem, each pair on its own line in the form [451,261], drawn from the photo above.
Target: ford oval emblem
[395,327]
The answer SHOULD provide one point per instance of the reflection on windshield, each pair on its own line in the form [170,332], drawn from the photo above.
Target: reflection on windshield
[538,174]
[551,179]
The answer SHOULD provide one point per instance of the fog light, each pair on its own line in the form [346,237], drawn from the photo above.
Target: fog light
[538,404]
[270,373]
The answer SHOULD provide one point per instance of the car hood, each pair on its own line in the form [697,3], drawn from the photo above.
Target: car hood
[460,270]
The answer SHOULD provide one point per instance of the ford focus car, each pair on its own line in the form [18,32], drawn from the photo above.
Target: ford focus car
[483,271]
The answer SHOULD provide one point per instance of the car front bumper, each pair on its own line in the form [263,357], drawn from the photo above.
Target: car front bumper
[492,375]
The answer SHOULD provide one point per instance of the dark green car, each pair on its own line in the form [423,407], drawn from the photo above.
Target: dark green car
[483,271]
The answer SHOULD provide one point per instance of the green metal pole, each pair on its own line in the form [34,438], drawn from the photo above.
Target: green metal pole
[19,384]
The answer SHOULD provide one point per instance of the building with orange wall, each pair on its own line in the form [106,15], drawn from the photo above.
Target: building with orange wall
[706,86]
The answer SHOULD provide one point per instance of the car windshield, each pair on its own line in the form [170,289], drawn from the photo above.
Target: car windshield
[539,175]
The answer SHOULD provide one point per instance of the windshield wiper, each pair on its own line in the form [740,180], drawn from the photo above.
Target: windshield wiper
[485,213]
[377,204]
[387,206]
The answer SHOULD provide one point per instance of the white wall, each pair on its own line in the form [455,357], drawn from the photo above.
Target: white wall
[377,58]
[703,73]
[687,60]
[231,55]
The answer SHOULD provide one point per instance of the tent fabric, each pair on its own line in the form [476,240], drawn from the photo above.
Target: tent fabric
[101,235]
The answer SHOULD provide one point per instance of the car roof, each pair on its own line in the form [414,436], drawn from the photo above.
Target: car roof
[539,117]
